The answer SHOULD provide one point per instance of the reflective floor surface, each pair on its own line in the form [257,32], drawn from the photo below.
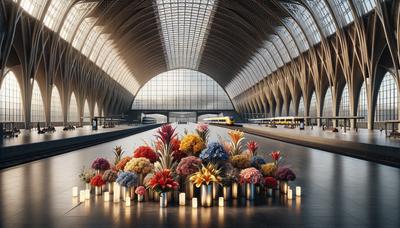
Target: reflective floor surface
[338,191]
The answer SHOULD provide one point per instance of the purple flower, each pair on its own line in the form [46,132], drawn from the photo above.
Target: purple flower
[285,174]
[188,165]
[101,164]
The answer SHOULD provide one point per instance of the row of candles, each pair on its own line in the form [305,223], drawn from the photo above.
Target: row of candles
[85,195]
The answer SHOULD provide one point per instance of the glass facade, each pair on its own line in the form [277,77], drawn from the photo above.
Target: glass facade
[182,89]
[327,108]
[344,109]
[362,107]
[387,105]
[37,107]
[73,115]
[313,108]
[56,113]
[11,105]
[301,107]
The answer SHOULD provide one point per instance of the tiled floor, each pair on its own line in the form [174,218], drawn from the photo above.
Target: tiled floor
[338,191]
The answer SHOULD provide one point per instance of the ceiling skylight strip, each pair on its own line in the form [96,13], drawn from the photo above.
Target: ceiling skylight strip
[184,27]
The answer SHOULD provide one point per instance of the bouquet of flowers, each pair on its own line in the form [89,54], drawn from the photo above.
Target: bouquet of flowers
[127,179]
[165,136]
[252,147]
[188,165]
[121,164]
[139,166]
[203,131]
[276,156]
[145,152]
[97,181]
[110,176]
[257,162]
[86,175]
[250,176]
[241,161]
[118,154]
[100,164]
[192,144]
[206,175]
[237,138]
[268,169]
[214,153]
[270,182]
[285,174]
[162,181]
[140,190]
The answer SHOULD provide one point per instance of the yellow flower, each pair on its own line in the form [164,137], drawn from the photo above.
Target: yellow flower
[192,144]
[206,175]
[241,161]
[268,169]
[139,166]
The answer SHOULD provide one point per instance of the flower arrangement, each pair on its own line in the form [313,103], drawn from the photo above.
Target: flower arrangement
[241,161]
[165,135]
[206,175]
[188,166]
[252,147]
[237,138]
[110,176]
[121,164]
[250,176]
[257,162]
[139,166]
[145,152]
[192,144]
[127,179]
[214,153]
[86,175]
[140,190]
[162,181]
[147,179]
[97,181]
[276,156]
[270,182]
[118,151]
[285,174]
[268,169]
[100,164]
[203,131]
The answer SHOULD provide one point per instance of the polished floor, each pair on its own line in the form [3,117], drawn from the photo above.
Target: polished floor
[338,191]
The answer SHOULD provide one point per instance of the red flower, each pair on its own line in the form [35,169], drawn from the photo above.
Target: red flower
[252,146]
[162,181]
[270,182]
[166,133]
[145,152]
[97,181]
[276,155]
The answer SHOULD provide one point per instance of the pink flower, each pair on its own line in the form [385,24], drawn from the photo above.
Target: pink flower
[202,127]
[250,176]
[140,190]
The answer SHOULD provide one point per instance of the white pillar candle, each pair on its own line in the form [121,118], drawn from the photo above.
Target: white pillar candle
[290,194]
[128,201]
[82,196]
[221,201]
[87,194]
[298,191]
[106,196]
[117,193]
[182,199]
[75,191]
[194,202]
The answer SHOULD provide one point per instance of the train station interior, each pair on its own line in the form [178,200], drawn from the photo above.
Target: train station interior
[199,113]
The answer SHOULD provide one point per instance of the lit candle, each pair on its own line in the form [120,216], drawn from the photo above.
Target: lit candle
[194,202]
[75,191]
[87,194]
[82,196]
[106,196]
[221,201]
[298,191]
[117,192]
[128,201]
[290,194]
[182,199]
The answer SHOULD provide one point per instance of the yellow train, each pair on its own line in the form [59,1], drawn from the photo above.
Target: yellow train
[227,120]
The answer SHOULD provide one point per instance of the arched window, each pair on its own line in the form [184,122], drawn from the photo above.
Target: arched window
[344,109]
[56,113]
[291,109]
[301,107]
[387,102]
[327,110]
[86,113]
[37,107]
[313,108]
[182,89]
[363,107]
[73,115]
[96,110]
[11,106]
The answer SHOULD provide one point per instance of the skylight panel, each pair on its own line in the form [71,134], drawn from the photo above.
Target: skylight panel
[91,39]
[281,48]
[288,40]
[343,10]
[55,13]
[325,17]
[33,7]
[298,34]
[83,31]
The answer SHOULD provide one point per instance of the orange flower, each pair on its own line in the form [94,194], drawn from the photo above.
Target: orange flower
[236,136]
